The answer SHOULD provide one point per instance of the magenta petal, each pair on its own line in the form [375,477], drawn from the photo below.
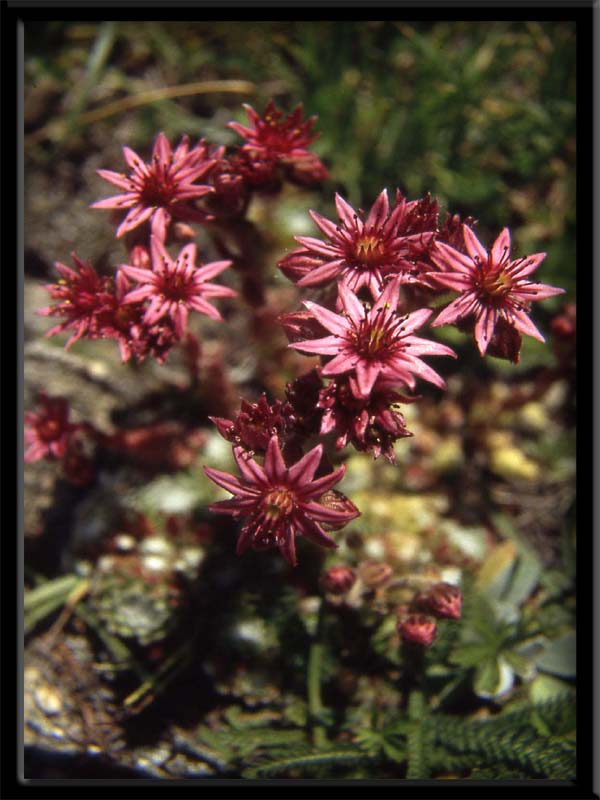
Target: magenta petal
[116,178]
[327,226]
[138,295]
[209,271]
[459,308]
[323,484]
[366,375]
[132,158]
[474,247]
[380,210]
[228,482]
[160,223]
[251,471]
[200,305]
[325,272]
[287,547]
[344,362]
[345,211]
[328,346]
[333,322]
[303,471]
[314,533]
[501,247]
[274,464]
[350,303]
[447,258]
[523,324]
[484,328]
[135,217]
[118,201]
[138,273]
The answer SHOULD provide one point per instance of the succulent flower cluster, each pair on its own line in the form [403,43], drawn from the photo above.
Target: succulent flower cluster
[375,276]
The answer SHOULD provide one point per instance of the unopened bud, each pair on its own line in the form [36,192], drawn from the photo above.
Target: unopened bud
[375,575]
[338,580]
[418,629]
[442,600]
[140,257]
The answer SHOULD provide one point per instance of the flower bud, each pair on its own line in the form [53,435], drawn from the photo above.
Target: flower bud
[140,257]
[375,575]
[442,600]
[338,580]
[417,629]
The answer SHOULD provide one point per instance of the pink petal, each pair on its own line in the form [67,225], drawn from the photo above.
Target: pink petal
[525,266]
[118,201]
[317,246]
[460,283]
[388,298]
[302,471]
[179,315]
[287,547]
[209,271]
[366,375]
[484,328]
[274,464]
[327,226]
[415,319]
[344,362]
[160,257]
[380,210]
[351,304]
[116,178]
[137,295]
[132,158]
[333,322]
[313,532]
[501,247]
[136,216]
[461,307]
[323,484]
[251,471]
[228,482]
[162,150]
[138,273]
[200,305]
[535,291]
[523,324]
[474,247]
[424,347]
[447,258]
[345,211]
[160,223]
[325,272]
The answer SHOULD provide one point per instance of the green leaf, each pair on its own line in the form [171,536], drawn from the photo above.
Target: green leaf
[559,657]
[487,677]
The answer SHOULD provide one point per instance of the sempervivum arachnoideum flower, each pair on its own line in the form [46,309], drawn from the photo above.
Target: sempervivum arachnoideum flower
[163,188]
[372,424]
[48,431]
[494,290]
[374,343]
[360,251]
[279,503]
[80,296]
[173,288]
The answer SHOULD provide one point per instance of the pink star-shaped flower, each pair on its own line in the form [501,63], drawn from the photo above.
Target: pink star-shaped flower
[176,287]
[493,288]
[162,188]
[373,343]
[279,502]
[361,252]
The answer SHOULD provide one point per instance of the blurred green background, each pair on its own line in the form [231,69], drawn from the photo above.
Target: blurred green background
[481,115]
